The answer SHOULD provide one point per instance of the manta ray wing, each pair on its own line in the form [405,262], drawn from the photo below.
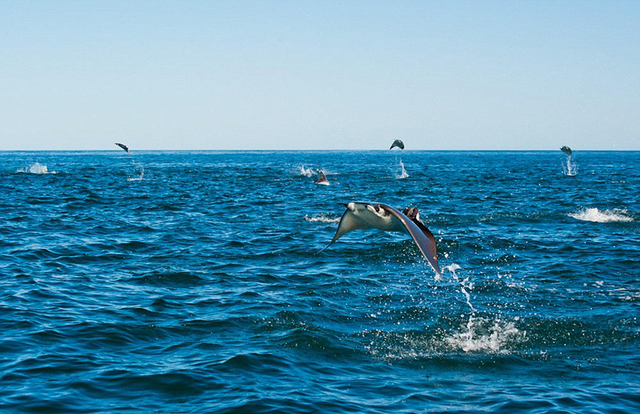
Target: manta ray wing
[348,222]
[424,239]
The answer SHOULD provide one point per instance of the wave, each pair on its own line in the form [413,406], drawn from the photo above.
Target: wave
[36,168]
[322,218]
[601,216]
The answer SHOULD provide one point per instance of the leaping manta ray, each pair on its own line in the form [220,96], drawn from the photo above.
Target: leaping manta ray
[361,215]
[397,143]
[322,179]
[124,147]
[566,150]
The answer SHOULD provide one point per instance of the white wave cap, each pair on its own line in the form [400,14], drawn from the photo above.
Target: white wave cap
[601,216]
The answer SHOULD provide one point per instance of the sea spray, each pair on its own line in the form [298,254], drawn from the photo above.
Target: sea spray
[401,172]
[601,216]
[570,168]
[137,171]
[322,218]
[306,172]
[486,335]
[465,285]
[481,334]
[36,168]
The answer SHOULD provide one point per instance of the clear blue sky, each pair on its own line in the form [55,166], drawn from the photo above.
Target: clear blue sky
[319,74]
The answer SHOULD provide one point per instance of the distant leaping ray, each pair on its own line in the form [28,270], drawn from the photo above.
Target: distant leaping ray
[566,150]
[397,143]
[124,147]
[322,179]
[384,217]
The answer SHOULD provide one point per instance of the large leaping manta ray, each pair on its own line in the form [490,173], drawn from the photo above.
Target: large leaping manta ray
[384,217]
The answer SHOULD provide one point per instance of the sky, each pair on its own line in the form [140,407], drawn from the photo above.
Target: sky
[334,75]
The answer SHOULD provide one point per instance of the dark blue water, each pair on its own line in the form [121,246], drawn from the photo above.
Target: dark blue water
[187,282]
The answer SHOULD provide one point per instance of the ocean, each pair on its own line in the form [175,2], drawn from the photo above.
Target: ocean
[190,282]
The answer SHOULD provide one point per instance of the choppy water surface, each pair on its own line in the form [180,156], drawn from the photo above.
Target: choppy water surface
[188,282]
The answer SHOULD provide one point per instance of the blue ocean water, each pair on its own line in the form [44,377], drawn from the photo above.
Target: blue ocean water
[189,282]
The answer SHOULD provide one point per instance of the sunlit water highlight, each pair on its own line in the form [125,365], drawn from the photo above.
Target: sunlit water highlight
[198,288]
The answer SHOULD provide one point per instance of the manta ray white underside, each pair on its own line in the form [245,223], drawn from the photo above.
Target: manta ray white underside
[360,215]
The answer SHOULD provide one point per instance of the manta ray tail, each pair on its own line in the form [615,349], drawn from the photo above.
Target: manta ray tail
[325,247]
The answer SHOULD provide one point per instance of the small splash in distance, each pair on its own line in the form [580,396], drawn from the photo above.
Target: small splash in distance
[36,168]
[597,216]
[570,169]
[403,173]
[307,172]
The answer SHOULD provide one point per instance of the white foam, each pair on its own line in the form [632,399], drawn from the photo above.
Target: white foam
[36,168]
[480,335]
[322,218]
[307,172]
[598,216]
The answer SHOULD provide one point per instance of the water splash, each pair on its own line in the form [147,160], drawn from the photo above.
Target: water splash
[138,171]
[306,172]
[486,335]
[36,168]
[465,285]
[481,334]
[322,218]
[570,169]
[601,216]
[402,174]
